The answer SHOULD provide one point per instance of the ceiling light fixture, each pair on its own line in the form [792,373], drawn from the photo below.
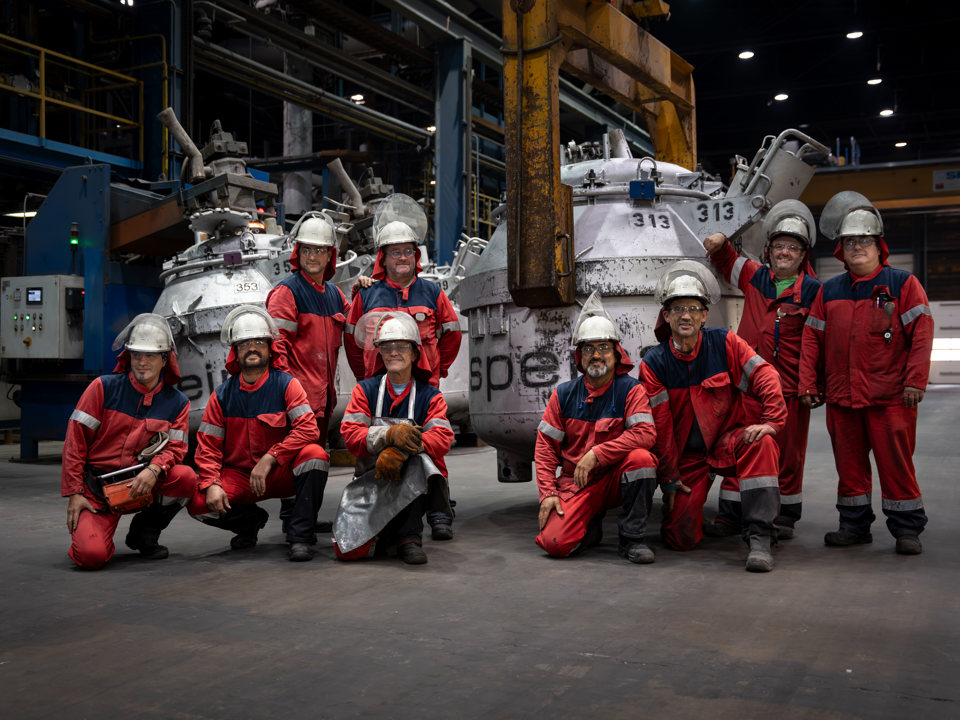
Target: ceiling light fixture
[886,112]
[431,128]
[21,214]
[358,99]
[856,34]
[874,81]
[780,97]
[900,144]
[745,55]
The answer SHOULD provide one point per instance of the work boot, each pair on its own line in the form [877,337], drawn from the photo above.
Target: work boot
[300,552]
[324,526]
[148,548]
[636,552]
[844,537]
[594,533]
[784,532]
[760,559]
[412,554]
[909,545]
[441,532]
[720,529]
[247,538]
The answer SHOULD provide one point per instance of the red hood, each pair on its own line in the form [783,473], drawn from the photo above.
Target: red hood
[380,272]
[170,372]
[624,365]
[233,364]
[327,272]
[884,252]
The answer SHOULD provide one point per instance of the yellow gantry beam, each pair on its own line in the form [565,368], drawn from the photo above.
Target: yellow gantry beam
[606,49]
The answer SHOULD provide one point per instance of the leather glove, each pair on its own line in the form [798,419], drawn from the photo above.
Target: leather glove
[408,438]
[390,464]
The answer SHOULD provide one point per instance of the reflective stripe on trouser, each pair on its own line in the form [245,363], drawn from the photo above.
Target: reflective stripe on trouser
[890,432]
[630,486]
[792,442]
[756,469]
[92,542]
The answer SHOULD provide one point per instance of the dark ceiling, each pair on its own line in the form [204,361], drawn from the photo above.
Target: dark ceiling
[801,49]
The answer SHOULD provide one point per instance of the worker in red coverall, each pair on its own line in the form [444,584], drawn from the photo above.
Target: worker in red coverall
[593,447]
[694,380]
[257,440]
[396,424]
[777,299]
[310,311]
[116,418]
[397,286]
[869,336]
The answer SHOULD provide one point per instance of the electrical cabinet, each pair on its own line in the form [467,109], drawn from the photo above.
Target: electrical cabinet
[41,317]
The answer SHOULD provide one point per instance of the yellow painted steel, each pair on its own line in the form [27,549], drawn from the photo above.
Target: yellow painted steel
[904,186]
[540,207]
[605,48]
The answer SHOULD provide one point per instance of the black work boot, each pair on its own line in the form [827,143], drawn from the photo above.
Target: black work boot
[146,526]
[844,537]
[412,554]
[635,552]
[909,545]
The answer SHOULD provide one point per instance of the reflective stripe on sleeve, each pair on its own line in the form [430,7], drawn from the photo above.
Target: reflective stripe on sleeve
[214,430]
[638,418]
[660,397]
[816,323]
[551,432]
[349,328]
[85,419]
[748,367]
[178,435]
[913,313]
[357,418]
[290,325]
[438,422]
[450,327]
[295,412]
[737,267]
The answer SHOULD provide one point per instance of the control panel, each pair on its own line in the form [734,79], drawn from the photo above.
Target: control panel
[41,317]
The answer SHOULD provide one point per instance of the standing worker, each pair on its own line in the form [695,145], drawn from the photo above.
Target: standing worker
[400,227]
[869,335]
[116,418]
[695,380]
[777,300]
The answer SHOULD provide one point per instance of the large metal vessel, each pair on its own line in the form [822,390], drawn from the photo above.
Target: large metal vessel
[632,218]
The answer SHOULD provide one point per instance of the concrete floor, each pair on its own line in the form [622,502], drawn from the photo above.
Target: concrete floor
[491,627]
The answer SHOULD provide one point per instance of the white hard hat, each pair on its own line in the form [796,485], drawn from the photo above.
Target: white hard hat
[247,322]
[394,233]
[687,278]
[399,326]
[147,332]
[846,214]
[315,229]
[594,323]
[790,217]
[860,222]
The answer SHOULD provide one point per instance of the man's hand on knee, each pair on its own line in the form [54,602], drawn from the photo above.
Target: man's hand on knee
[549,504]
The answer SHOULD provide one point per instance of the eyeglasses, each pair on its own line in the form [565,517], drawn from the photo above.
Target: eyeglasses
[789,247]
[683,309]
[244,344]
[406,252]
[864,242]
[400,346]
[310,251]
[602,348]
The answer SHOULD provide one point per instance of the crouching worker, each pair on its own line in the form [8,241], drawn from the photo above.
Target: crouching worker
[117,418]
[695,378]
[258,440]
[593,447]
[396,424]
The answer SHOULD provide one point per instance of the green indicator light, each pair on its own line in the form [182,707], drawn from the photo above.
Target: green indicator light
[26,317]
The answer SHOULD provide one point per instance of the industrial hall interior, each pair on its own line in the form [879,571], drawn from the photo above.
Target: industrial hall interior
[480,359]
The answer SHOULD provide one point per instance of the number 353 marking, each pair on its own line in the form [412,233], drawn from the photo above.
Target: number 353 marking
[246,287]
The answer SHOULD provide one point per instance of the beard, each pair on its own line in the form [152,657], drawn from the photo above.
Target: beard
[597,370]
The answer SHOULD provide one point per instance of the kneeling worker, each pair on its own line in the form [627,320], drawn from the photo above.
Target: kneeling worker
[396,424]
[593,447]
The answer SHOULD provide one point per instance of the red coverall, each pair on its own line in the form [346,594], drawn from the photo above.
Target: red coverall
[240,424]
[871,337]
[772,325]
[111,425]
[705,388]
[310,318]
[615,422]
[439,325]
[429,412]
